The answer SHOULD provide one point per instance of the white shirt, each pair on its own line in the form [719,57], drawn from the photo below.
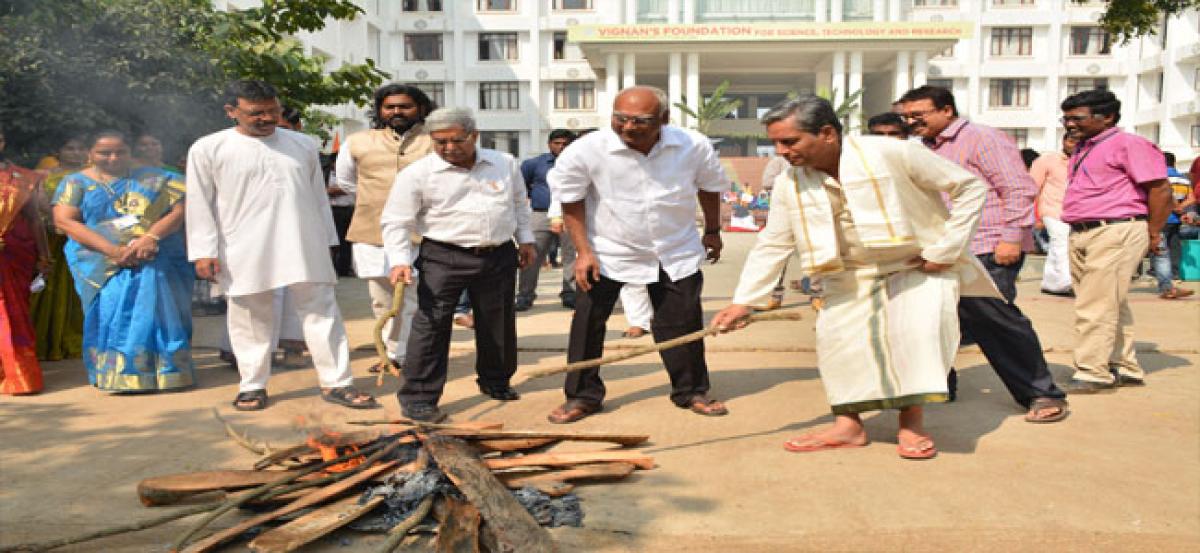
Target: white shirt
[258,205]
[344,200]
[641,209]
[485,205]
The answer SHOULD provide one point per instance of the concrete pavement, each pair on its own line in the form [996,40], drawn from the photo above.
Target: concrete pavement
[1121,474]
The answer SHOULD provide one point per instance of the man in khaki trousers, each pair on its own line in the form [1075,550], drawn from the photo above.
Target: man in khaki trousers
[1117,201]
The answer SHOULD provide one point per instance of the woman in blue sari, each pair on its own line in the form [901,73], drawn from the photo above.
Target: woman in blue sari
[130,268]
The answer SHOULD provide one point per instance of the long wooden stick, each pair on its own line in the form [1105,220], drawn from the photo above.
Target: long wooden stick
[791,315]
[385,363]
[112,531]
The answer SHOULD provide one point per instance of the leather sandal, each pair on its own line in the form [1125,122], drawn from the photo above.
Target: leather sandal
[1044,403]
[254,400]
[349,396]
[572,411]
[701,404]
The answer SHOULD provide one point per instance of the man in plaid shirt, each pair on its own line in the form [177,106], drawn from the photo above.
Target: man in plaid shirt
[999,327]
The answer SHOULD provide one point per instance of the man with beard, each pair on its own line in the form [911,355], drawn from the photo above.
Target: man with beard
[257,222]
[367,166]
[1002,331]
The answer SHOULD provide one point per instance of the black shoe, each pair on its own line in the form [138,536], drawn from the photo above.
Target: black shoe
[423,412]
[952,384]
[1130,381]
[523,304]
[1089,387]
[503,392]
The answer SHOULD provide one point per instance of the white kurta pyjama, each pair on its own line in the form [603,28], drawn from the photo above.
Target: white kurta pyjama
[259,206]
[887,334]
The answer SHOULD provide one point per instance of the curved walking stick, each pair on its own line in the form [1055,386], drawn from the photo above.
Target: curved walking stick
[380,347]
[792,315]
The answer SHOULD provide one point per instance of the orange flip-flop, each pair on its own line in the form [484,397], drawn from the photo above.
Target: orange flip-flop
[819,444]
[917,453]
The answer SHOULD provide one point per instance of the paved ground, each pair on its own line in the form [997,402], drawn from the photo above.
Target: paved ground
[1121,474]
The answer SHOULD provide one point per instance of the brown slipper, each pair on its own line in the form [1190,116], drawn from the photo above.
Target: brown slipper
[1041,404]
[701,404]
[572,411]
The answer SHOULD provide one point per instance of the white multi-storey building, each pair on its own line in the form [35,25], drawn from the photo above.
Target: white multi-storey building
[528,66]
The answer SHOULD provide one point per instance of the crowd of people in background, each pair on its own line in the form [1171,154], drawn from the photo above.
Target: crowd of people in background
[98,261]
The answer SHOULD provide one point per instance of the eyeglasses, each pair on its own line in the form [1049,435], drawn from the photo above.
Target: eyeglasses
[912,115]
[638,120]
[1078,118]
[443,142]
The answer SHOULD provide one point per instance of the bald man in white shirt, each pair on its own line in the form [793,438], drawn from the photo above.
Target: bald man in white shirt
[468,204]
[629,197]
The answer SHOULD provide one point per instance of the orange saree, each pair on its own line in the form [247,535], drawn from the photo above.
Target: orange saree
[20,372]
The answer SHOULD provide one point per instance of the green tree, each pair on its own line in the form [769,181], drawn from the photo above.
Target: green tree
[714,107]
[158,65]
[1130,19]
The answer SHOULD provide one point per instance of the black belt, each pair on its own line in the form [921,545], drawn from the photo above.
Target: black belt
[1080,226]
[476,250]
[541,210]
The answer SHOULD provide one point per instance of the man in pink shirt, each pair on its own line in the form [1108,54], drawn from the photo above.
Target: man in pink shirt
[1003,332]
[1116,203]
[1049,171]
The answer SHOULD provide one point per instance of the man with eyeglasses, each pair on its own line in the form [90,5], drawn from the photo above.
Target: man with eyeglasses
[468,204]
[1117,202]
[258,221]
[1002,331]
[629,195]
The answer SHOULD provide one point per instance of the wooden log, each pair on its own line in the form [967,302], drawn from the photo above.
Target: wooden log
[597,471]
[409,423]
[513,526]
[278,457]
[458,531]
[328,492]
[570,459]
[622,439]
[513,444]
[171,488]
[313,526]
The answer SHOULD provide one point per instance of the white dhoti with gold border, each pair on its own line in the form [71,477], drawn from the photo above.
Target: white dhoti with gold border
[886,341]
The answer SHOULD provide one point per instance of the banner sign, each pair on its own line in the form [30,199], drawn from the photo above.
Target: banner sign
[771,32]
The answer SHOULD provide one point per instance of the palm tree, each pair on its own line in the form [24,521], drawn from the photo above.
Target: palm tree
[715,107]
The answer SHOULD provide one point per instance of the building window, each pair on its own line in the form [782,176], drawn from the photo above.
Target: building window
[1019,136]
[947,84]
[496,5]
[498,46]
[857,10]
[505,95]
[560,45]
[572,4]
[422,5]
[1005,3]
[1090,41]
[575,95]
[1012,41]
[947,53]
[504,141]
[1196,80]
[425,47]
[1196,136]
[435,91]
[1008,93]
[1076,85]
[934,3]
[374,47]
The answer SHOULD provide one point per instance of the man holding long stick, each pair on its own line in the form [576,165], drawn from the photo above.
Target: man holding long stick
[629,199]
[866,215]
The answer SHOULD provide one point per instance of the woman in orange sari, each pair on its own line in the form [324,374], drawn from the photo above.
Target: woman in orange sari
[23,248]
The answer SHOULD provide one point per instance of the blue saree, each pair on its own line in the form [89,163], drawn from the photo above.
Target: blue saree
[137,323]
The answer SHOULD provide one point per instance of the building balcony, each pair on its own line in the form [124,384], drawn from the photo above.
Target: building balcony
[1187,108]
[1188,53]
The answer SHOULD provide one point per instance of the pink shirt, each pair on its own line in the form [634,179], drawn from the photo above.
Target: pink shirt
[993,157]
[1049,171]
[1107,174]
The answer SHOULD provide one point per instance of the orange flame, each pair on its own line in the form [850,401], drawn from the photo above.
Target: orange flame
[331,446]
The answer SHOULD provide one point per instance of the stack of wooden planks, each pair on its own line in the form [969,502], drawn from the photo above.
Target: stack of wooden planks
[482,460]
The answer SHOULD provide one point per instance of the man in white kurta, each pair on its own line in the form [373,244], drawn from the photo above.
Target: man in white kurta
[258,221]
[866,214]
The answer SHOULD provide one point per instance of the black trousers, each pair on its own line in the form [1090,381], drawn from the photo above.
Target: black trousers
[445,271]
[677,312]
[1007,337]
[343,256]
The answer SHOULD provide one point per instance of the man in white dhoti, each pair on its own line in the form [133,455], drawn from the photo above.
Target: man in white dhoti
[866,214]
[258,221]
[367,165]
